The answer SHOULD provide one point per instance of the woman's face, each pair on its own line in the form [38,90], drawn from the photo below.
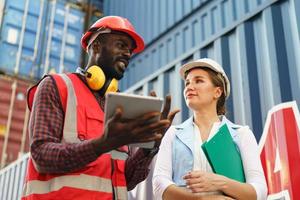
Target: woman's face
[199,91]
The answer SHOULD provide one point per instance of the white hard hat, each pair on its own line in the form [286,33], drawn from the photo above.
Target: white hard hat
[207,63]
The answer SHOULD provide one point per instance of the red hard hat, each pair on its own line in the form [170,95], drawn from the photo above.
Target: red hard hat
[115,23]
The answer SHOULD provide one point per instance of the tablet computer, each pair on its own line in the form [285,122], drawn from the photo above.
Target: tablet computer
[133,106]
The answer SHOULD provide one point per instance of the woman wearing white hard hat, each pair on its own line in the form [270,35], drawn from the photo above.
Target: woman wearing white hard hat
[182,170]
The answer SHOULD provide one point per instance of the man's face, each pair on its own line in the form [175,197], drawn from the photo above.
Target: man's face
[115,54]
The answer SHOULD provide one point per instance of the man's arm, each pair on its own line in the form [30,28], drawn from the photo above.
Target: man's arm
[51,155]
[137,167]
[46,127]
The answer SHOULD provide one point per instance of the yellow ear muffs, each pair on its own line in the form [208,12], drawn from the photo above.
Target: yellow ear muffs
[113,86]
[96,80]
[95,77]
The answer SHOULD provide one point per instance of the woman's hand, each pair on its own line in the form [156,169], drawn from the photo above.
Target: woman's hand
[199,181]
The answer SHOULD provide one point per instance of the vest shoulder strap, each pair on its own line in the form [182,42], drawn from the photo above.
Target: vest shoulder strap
[62,90]
[61,87]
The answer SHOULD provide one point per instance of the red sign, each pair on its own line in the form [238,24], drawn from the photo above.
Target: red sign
[280,152]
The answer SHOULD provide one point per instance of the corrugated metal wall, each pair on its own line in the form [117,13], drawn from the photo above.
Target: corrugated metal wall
[257,43]
[153,17]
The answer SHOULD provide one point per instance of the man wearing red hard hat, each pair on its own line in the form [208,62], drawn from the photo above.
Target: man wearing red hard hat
[70,143]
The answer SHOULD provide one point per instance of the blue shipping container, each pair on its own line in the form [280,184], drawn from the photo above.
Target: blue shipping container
[64,29]
[38,36]
[98,4]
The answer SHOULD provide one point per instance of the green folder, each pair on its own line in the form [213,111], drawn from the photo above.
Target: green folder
[223,155]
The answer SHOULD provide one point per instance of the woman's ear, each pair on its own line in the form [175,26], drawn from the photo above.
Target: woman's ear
[218,92]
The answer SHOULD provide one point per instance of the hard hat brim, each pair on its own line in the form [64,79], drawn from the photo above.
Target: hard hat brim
[139,42]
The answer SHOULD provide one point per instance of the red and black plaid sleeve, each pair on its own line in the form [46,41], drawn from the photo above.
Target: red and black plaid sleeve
[46,127]
[137,168]
[52,155]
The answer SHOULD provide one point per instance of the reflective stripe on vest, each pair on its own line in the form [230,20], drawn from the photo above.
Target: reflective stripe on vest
[120,193]
[81,181]
[70,124]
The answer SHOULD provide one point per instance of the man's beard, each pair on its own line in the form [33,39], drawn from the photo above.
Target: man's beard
[107,64]
[109,70]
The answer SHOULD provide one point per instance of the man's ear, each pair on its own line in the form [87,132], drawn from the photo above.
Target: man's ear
[96,47]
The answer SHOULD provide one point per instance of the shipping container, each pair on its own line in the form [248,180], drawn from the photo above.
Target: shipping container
[40,36]
[98,4]
[62,39]
[256,41]
[21,31]
[13,119]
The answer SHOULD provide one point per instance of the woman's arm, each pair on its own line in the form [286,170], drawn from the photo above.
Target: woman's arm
[238,190]
[163,185]
[255,186]
[162,175]
[251,162]
[199,181]
[176,193]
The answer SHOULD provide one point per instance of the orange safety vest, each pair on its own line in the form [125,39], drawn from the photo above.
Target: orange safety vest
[95,181]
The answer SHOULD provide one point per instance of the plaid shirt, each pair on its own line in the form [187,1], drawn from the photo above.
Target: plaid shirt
[53,156]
